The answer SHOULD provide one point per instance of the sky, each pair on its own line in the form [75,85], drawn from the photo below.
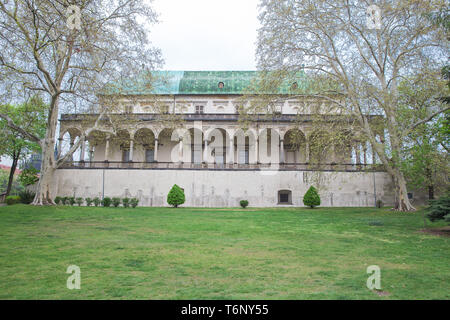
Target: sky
[206,34]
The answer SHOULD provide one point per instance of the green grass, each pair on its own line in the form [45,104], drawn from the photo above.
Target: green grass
[191,253]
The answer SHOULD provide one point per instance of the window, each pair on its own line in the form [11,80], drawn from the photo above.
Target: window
[199,109]
[284,197]
[410,195]
[165,109]
[149,155]
[126,155]
[128,109]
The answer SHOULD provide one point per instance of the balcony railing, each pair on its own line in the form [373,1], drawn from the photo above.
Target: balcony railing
[218,166]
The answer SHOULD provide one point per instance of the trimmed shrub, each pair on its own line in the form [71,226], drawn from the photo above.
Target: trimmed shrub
[89,201]
[71,200]
[64,200]
[243,203]
[10,200]
[26,196]
[79,201]
[311,198]
[96,201]
[106,202]
[134,202]
[175,196]
[126,202]
[116,202]
[439,209]
[58,200]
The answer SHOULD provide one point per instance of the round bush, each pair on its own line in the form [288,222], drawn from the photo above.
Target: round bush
[243,203]
[79,201]
[311,198]
[10,200]
[96,201]
[134,202]
[106,202]
[89,201]
[116,202]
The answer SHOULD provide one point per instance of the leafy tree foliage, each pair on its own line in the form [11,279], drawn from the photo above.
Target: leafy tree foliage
[29,176]
[425,158]
[30,116]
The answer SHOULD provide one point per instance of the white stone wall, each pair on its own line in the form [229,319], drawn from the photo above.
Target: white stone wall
[225,188]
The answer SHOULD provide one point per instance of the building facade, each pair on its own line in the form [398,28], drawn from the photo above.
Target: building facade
[187,129]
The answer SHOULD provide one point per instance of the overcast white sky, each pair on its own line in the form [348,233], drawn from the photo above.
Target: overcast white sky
[206,34]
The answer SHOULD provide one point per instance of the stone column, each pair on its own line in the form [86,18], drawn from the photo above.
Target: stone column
[365,153]
[205,152]
[70,147]
[131,150]
[155,153]
[58,148]
[82,149]
[307,151]
[231,153]
[281,151]
[374,154]
[257,150]
[180,150]
[358,154]
[107,149]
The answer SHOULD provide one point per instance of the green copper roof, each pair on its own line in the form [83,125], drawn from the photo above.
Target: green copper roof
[196,83]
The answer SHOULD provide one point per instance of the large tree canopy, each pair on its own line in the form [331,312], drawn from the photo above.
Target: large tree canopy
[365,52]
[68,51]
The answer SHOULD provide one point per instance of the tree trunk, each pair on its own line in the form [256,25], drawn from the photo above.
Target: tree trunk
[11,173]
[431,192]
[402,202]
[48,165]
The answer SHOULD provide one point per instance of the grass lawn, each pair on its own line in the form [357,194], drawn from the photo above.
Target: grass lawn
[192,253]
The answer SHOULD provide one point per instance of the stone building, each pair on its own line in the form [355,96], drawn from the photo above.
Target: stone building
[187,129]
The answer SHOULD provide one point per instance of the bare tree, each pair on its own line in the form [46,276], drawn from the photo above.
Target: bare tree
[364,49]
[67,51]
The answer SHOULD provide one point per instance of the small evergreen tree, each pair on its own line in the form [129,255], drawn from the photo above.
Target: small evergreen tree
[439,209]
[175,196]
[311,198]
